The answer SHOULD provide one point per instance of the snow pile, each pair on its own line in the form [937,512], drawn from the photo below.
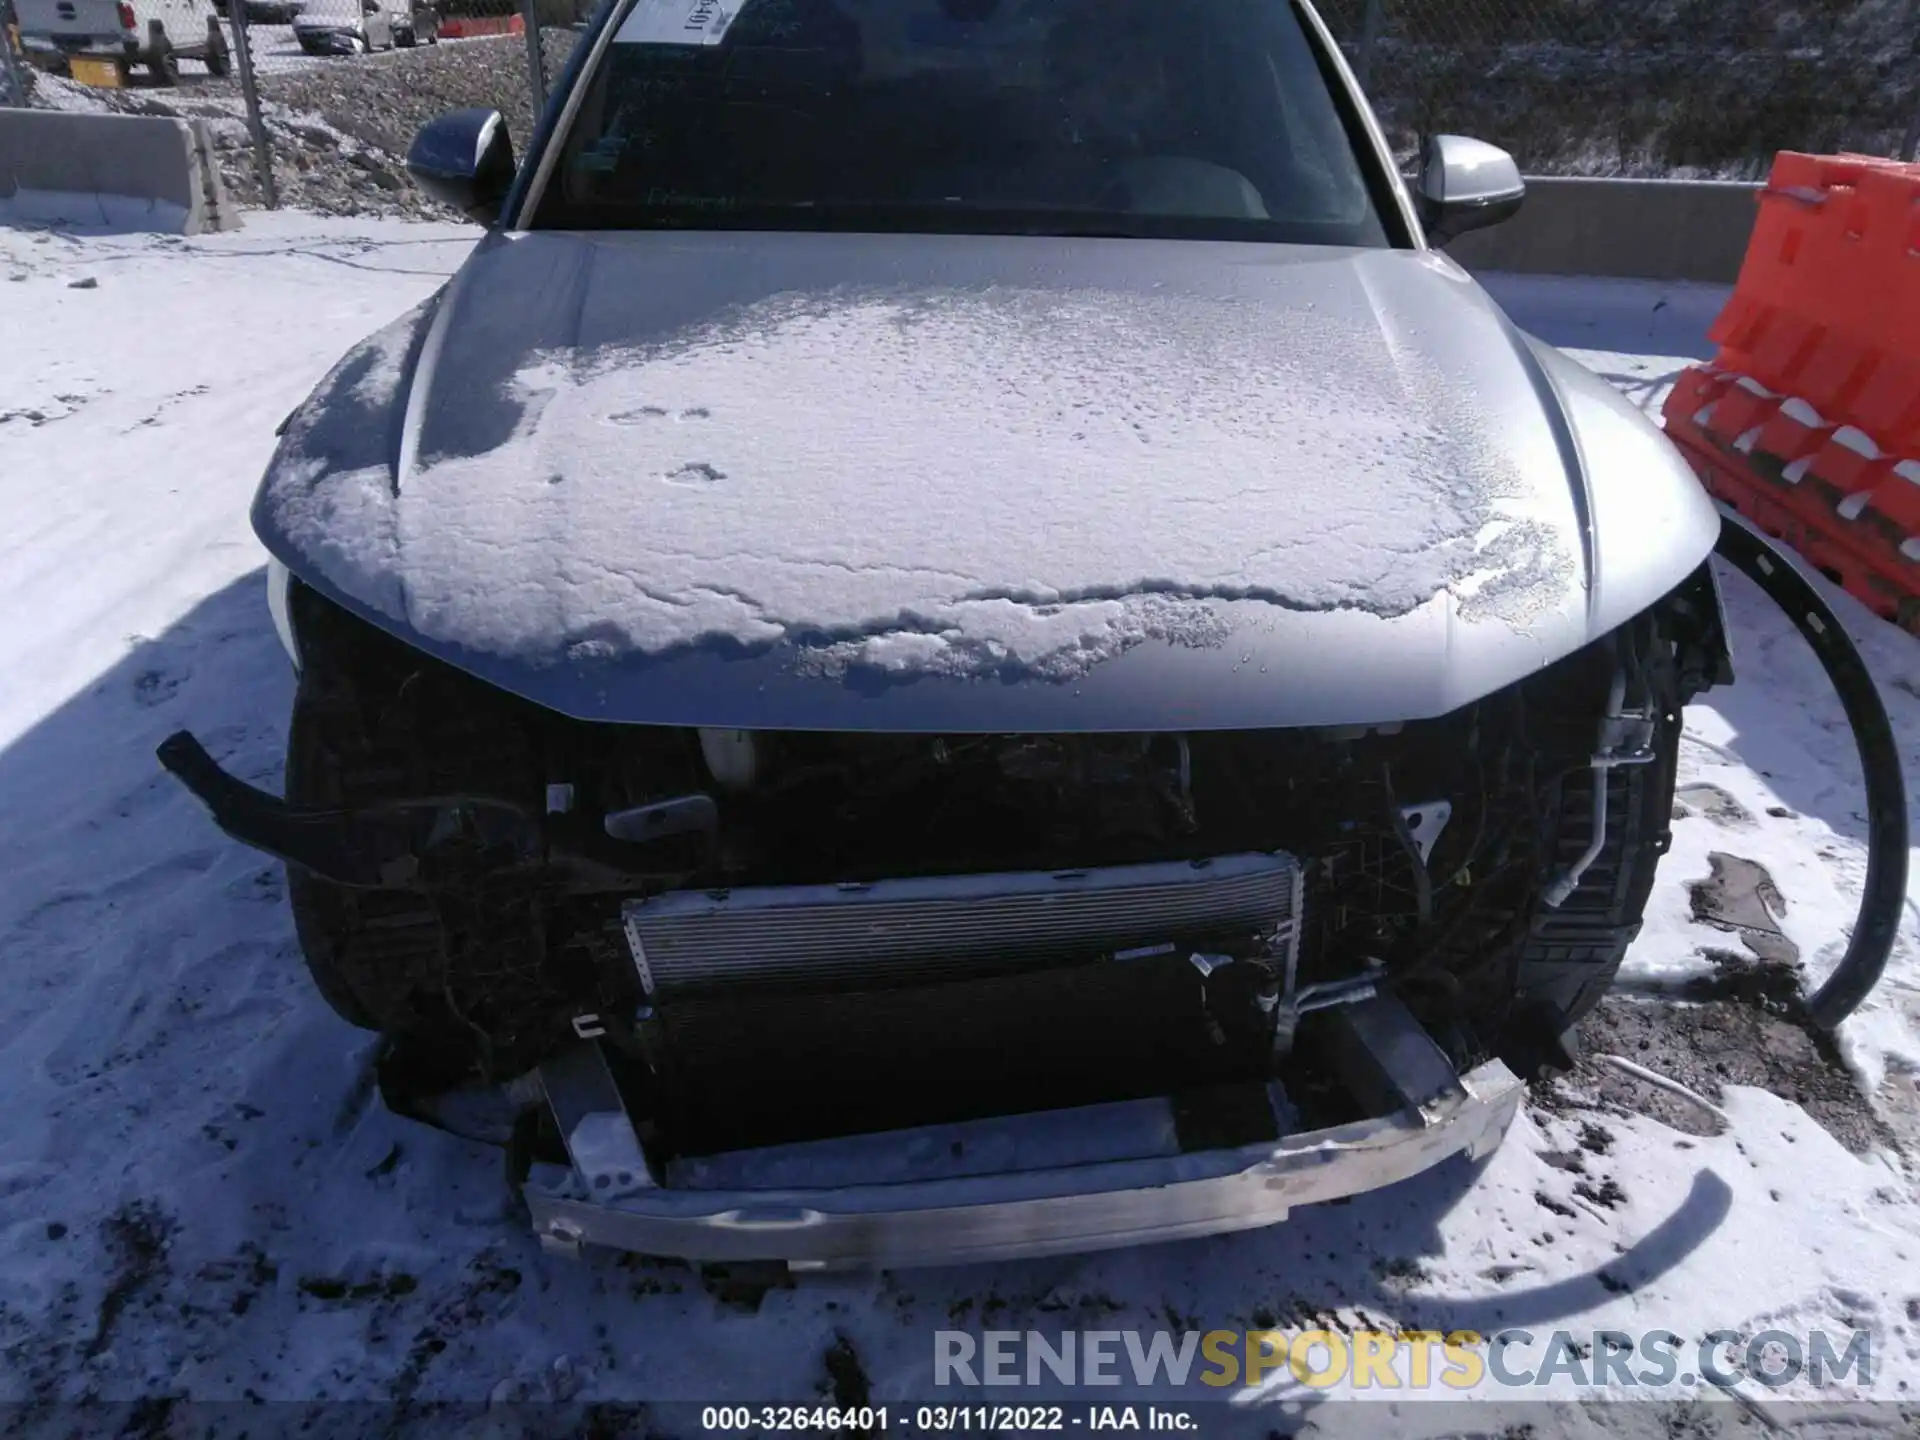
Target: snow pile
[968,481]
[54,92]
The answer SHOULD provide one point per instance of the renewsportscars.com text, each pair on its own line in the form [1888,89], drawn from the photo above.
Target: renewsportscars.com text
[1460,1360]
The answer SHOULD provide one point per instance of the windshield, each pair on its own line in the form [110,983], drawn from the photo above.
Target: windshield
[1208,118]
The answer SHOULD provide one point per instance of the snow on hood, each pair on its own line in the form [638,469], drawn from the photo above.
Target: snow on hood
[686,478]
[950,475]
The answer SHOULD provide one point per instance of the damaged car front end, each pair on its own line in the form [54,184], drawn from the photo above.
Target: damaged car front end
[835,998]
[1235,754]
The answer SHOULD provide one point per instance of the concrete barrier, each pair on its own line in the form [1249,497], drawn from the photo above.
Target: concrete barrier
[1644,229]
[120,172]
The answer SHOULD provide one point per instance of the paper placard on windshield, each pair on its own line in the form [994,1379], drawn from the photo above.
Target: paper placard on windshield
[678,22]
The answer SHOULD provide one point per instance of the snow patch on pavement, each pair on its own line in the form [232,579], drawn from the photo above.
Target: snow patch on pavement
[154,435]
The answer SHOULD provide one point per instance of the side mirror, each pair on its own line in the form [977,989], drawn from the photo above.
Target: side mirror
[465,159]
[1466,185]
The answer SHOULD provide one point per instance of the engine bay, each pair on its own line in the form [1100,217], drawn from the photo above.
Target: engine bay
[780,936]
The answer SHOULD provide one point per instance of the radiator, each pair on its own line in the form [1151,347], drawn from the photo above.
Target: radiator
[929,930]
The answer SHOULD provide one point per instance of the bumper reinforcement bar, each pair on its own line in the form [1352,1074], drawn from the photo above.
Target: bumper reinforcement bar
[1420,1113]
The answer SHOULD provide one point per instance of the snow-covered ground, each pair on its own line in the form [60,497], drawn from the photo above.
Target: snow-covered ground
[201,1197]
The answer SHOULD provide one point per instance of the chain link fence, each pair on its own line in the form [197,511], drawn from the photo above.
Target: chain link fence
[342,85]
[14,85]
[313,104]
[1642,87]
[322,97]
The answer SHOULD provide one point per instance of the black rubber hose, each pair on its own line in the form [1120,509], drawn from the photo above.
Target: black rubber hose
[1885,893]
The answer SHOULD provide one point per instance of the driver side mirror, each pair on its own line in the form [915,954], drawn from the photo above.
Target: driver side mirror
[465,159]
[1466,185]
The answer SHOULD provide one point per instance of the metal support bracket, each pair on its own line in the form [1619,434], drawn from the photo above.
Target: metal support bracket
[593,1122]
[1425,824]
[1387,1060]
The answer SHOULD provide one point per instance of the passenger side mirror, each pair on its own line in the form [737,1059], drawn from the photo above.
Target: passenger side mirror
[465,159]
[1466,185]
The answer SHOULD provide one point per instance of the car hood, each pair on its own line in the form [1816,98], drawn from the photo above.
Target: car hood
[955,483]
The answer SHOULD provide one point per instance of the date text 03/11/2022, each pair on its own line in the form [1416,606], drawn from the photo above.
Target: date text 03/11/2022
[936,1419]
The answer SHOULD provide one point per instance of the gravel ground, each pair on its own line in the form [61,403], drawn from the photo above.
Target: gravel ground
[1741,1037]
[382,100]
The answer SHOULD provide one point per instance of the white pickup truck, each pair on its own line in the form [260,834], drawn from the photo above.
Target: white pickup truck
[121,34]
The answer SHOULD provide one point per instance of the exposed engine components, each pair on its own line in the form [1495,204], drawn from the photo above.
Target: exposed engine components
[733,756]
[1626,738]
[662,819]
[517,870]
[1324,996]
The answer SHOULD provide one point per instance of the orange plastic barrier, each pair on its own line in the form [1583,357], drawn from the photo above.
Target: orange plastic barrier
[1808,419]
[467,29]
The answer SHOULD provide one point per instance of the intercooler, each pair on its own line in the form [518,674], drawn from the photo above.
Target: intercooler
[782,1013]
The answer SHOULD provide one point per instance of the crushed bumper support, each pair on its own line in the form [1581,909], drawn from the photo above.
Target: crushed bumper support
[447,840]
[1420,1112]
[368,849]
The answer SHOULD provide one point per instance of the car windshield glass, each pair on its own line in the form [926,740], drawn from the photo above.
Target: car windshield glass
[1209,118]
